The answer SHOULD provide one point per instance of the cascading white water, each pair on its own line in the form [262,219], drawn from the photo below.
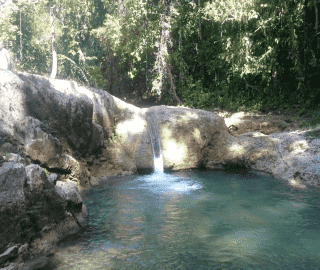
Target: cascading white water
[158,163]
[155,142]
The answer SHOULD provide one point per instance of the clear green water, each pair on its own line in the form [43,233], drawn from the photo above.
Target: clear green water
[196,220]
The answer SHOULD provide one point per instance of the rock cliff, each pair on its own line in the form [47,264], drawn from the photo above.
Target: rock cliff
[57,138]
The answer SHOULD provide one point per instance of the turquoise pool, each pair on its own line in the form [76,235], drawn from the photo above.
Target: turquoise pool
[196,220]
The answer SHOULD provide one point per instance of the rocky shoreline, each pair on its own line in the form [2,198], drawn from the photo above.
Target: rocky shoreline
[57,139]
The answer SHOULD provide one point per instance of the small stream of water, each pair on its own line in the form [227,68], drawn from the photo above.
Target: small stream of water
[155,143]
[196,220]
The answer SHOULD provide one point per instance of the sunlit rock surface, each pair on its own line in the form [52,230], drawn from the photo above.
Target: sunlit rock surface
[82,133]
[289,155]
[196,138]
[6,60]
[74,120]
[185,133]
[244,122]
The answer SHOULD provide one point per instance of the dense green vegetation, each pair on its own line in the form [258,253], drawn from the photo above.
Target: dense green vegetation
[246,55]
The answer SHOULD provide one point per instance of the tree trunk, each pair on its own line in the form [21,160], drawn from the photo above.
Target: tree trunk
[200,39]
[54,53]
[316,23]
[181,77]
[172,85]
[20,38]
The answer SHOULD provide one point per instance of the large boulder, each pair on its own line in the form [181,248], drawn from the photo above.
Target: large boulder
[36,181]
[35,210]
[67,193]
[12,180]
[50,119]
[39,145]
[192,138]
[82,116]
[185,133]
[57,123]
[6,59]
[299,158]
[130,133]
[290,156]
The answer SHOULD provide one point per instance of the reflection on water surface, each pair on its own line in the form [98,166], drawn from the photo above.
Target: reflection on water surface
[196,220]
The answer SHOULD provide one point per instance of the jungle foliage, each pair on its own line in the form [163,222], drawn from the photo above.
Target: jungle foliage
[245,54]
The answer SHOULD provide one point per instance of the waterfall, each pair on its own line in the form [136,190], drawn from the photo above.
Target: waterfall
[155,142]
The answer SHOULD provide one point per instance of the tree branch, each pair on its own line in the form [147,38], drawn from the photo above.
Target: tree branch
[256,88]
[173,86]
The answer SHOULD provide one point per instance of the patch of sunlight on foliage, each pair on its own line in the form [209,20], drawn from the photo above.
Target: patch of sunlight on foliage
[95,77]
[130,75]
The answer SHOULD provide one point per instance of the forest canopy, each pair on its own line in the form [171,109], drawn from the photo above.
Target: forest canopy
[248,54]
